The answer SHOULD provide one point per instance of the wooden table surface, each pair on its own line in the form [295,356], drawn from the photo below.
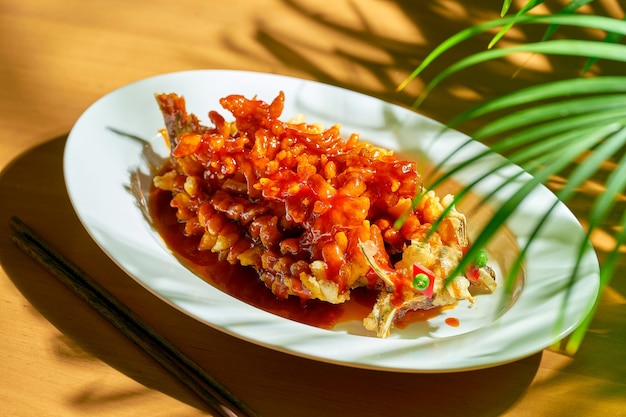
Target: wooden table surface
[58,358]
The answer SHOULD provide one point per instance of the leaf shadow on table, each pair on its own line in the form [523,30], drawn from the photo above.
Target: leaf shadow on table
[377,45]
[85,336]
[273,383]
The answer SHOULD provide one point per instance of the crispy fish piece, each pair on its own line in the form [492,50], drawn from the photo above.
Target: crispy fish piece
[311,212]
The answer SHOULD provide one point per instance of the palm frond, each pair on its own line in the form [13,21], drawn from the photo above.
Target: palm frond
[588,21]
[542,161]
[545,129]
[569,8]
[611,37]
[506,5]
[527,7]
[534,94]
[600,211]
[582,48]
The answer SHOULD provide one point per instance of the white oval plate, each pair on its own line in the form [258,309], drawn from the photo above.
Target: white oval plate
[97,166]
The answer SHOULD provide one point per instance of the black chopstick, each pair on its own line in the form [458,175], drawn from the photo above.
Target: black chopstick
[196,379]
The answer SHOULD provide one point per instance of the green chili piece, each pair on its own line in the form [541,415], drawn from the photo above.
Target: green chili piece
[481,259]
[421,281]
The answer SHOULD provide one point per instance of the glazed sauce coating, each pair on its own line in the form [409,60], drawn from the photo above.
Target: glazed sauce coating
[243,283]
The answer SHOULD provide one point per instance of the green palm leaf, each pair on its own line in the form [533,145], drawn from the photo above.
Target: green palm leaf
[530,95]
[546,128]
[581,48]
[611,37]
[569,8]
[593,22]
[527,7]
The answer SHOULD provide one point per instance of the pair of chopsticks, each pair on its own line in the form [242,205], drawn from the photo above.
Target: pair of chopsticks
[197,380]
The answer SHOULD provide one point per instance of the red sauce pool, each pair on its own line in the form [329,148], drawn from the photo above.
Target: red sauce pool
[243,283]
